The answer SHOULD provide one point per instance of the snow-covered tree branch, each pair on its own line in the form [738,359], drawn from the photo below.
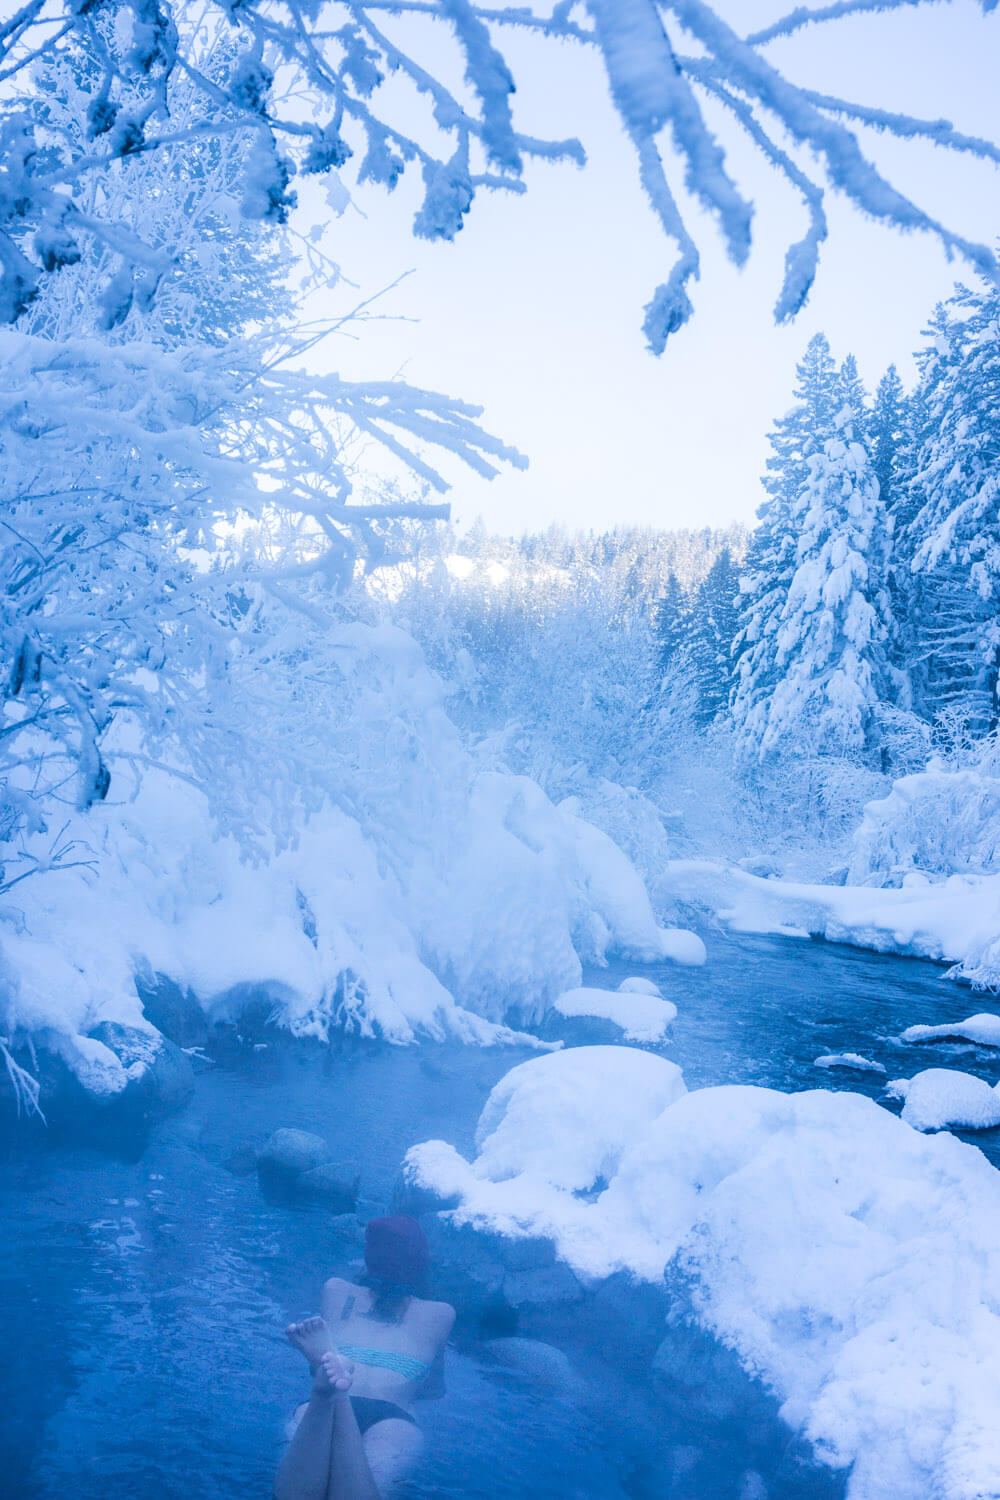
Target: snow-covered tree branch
[306,91]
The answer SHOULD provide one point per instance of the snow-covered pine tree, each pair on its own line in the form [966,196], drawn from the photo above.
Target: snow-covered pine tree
[887,433]
[714,623]
[770,559]
[815,668]
[830,646]
[671,624]
[954,537]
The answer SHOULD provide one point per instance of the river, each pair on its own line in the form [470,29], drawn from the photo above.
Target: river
[143,1346]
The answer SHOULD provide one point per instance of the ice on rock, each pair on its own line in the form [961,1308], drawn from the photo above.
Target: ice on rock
[849,1060]
[942,1098]
[983,1029]
[636,985]
[642,1017]
[849,1261]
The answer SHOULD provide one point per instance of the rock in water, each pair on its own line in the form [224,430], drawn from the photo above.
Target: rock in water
[334,1183]
[541,1364]
[287,1154]
[173,1011]
[160,1076]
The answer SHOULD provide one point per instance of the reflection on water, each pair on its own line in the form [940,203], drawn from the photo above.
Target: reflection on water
[144,1300]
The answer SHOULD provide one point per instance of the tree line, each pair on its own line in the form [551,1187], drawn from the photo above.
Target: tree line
[866,611]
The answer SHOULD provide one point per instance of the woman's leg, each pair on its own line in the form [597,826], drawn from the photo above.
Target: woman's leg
[350,1475]
[392,1448]
[305,1469]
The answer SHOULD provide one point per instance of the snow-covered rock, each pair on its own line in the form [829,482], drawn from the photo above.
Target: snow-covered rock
[983,1029]
[641,1017]
[682,946]
[849,1060]
[566,1118]
[942,1098]
[637,985]
[851,1262]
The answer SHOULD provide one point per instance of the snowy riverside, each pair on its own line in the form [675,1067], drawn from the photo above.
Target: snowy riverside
[500,750]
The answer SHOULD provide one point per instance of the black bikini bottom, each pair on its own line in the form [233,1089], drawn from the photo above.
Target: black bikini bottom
[369,1410]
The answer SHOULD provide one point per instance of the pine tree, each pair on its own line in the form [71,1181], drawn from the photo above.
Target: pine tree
[887,432]
[770,560]
[715,622]
[831,641]
[954,537]
[813,674]
[671,625]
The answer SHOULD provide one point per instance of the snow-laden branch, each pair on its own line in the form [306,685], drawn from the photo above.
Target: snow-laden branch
[331,110]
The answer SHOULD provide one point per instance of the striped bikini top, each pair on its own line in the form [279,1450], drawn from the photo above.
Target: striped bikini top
[385,1359]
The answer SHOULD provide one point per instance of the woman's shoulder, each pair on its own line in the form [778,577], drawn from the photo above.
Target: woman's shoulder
[434,1312]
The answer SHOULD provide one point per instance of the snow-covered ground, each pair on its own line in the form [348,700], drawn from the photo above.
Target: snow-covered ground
[956,919]
[851,1262]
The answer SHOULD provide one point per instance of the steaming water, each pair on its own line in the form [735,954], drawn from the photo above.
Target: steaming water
[142,1346]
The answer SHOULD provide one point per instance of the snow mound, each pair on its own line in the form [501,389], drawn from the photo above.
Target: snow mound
[566,1118]
[983,1029]
[940,1098]
[682,946]
[642,1017]
[849,1060]
[638,986]
[851,1262]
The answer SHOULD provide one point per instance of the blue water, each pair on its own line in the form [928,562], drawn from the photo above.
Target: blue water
[142,1346]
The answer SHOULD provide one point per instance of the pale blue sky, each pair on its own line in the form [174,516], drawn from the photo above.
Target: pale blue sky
[535,311]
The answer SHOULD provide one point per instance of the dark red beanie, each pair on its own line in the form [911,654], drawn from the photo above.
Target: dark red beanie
[396,1249]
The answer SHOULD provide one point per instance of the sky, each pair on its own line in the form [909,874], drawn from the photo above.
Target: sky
[535,311]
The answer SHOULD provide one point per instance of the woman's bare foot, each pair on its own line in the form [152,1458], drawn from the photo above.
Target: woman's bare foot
[333,1375]
[311,1338]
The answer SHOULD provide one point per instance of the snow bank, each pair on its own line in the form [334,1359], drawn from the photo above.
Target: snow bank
[427,899]
[983,1029]
[942,1098]
[957,920]
[642,1017]
[852,1263]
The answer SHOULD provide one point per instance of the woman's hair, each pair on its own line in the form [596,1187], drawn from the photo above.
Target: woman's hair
[397,1258]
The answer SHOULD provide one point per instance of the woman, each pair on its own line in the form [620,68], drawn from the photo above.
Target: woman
[374,1351]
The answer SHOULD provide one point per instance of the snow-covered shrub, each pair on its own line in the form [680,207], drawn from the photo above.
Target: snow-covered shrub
[937,822]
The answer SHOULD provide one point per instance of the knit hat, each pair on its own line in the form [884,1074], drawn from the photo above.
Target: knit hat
[396,1249]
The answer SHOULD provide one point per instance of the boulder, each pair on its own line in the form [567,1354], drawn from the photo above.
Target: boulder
[545,1287]
[242,1161]
[409,1197]
[347,1229]
[174,1011]
[540,1364]
[464,1272]
[286,1154]
[334,1183]
[157,1079]
[629,1316]
[160,1077]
